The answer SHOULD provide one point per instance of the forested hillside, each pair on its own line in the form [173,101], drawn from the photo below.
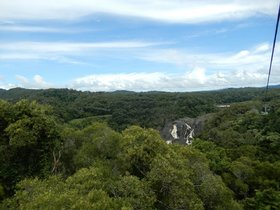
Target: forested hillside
[82,150]
[124,108]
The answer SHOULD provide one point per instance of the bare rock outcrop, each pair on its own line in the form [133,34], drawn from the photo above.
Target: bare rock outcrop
[183,130]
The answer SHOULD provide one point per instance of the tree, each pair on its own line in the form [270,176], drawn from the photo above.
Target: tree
[102,144]
[140,147]
[171,182]
[29,134]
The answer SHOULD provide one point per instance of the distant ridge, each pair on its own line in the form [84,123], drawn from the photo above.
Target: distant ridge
[20,89]
[274,86]
[150,109]
[18,93]
[228,95]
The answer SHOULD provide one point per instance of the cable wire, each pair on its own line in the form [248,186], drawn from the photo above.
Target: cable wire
[272,54]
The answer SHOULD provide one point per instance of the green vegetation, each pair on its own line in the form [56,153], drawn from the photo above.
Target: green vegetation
[123,108]
[105,160]
[243,147]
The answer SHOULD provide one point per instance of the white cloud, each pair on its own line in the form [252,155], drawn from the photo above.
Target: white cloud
[7,86]
[37,82]
[12,26]
[197,79]
[197,75]
[72,46]
[248,67]
[23,28]
[257,57]
[109,82]
[19,56]
[4,84]
[22,79]
[64,51]
[191,11]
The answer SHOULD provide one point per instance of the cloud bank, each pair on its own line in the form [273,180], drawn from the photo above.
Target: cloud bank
[176,11]
[194,80]
[247,67]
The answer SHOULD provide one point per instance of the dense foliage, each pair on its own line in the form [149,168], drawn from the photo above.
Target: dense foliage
[28,136]
[123,108]
[243,147]
[130,170]
[49,162]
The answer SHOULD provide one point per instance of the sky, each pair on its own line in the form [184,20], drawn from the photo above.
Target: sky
[137,45]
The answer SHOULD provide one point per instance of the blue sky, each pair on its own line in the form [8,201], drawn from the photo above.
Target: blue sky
[167,45]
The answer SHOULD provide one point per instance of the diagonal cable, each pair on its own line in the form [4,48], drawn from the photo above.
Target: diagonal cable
[272,54]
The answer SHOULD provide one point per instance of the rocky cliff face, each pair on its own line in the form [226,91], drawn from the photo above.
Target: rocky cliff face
[183,130]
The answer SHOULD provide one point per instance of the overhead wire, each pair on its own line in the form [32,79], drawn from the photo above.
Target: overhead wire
[271,59]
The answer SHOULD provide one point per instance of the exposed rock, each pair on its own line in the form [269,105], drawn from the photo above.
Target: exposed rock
[183,130]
